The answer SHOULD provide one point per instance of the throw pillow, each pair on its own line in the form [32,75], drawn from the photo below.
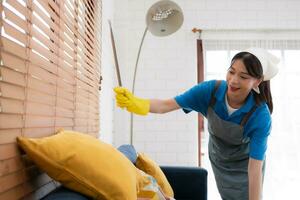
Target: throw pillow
[84,164]
[149,189]
[146,164]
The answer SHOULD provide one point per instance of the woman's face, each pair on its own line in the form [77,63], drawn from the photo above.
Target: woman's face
[239,81]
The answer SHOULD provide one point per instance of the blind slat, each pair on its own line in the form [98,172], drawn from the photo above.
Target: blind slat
[82,107]
[38,121]
[86,100]
[39,109]
[91,9]
[11,106]
[82,129]
[81,122]
[62,112]
[42,62]
[54,5]
[11,165]
[43,29]
[65,85]
[12,91]
[67,68]
[23,176]
[19,7]
[13,62]
[67,38]
[79,113]
[65,94]
[13,48]
[52,24]
[40,97]
[13,32]
[84,79]
[11,76]
[42,74]
[38,132]
[66,49]
[67,59]
[45,40]
[41,86]
[8,136]
[63,103]
[15,19]
[69,78]
[61,121]
[12,180]
[75,26]
[85,122]
[17,192]
[8,151]
[44,51]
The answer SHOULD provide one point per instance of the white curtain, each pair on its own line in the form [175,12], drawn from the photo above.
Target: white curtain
[282,177]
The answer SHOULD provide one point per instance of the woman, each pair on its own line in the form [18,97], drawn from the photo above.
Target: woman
[238,111]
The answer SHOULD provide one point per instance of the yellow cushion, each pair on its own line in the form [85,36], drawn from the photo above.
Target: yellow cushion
[149,189]
[146,164]
[84,164]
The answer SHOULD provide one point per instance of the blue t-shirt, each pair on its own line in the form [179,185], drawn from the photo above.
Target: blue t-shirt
[258,126]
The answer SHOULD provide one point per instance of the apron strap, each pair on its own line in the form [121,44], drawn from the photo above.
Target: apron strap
[247,116]
[213,98]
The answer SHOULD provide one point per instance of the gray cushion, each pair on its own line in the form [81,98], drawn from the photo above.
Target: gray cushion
[129,151]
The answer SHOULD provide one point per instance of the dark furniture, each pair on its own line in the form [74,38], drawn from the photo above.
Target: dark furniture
[188,183]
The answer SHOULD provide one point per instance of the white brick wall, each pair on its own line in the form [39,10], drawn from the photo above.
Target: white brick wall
[167,65]
[106,94]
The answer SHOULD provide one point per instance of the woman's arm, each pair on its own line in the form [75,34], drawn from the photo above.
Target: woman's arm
[255,178]
[163,106]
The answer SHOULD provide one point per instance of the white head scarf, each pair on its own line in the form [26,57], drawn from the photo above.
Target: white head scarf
[268,61]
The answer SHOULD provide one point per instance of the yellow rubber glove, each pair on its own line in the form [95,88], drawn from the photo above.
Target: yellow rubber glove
[125,99]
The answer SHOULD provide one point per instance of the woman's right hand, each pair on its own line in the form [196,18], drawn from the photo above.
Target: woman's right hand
[133,104]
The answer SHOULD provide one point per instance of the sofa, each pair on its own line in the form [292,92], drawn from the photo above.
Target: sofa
[96,169]
[188,183]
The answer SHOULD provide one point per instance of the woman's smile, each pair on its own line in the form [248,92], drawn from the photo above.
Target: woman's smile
[233,88]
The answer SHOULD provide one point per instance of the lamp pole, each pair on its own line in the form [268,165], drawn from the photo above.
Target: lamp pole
[133,82]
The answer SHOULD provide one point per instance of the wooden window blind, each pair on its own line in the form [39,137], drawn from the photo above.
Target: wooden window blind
[49,79]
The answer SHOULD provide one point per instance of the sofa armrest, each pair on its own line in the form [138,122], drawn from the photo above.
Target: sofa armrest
[188,183]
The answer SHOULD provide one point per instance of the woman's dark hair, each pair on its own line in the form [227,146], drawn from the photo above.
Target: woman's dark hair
[255,70]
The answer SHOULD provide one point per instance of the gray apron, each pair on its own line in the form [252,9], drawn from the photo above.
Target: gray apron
[228,154]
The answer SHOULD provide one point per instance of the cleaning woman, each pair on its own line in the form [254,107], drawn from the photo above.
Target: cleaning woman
[238,112]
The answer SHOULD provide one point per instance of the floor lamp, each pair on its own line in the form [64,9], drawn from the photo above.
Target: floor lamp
[163,18]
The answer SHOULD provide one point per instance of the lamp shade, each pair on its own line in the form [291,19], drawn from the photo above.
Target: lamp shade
[164,18]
